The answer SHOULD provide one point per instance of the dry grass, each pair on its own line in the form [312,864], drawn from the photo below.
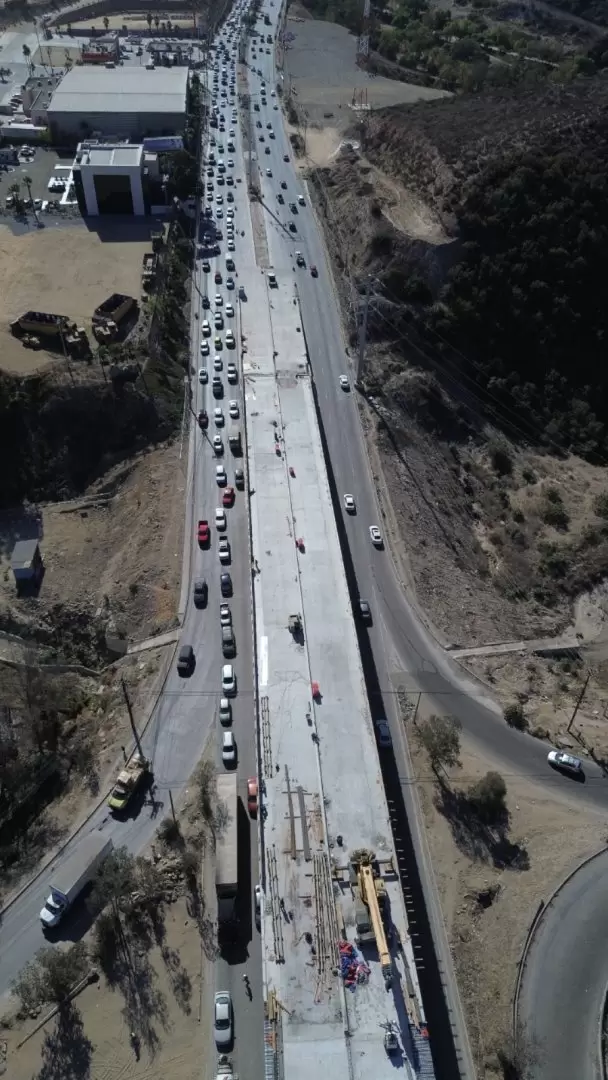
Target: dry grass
[170,989]
[486,942]
[66,270]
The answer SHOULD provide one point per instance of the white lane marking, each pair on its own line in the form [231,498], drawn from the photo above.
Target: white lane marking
[263,662]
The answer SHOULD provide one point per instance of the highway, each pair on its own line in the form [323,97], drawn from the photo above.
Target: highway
[405,654]
[401,650]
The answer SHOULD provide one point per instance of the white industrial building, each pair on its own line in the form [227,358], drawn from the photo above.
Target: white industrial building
[118,103]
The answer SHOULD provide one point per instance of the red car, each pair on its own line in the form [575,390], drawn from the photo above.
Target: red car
[313,270]
[203,419]
[252,796]
[228,496]
[218,278]
[203,532]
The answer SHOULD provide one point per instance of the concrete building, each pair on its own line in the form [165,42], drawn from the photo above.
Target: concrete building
[118,103]
[102,50]
[112,179]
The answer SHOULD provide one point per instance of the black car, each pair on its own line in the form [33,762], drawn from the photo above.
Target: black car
[226,584]
[206,302]
[292,226]
[365,611]
[200,593]
[239,479]
[185,661]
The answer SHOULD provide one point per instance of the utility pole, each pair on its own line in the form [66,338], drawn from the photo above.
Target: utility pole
[130,712]
[579,702]
[363,334]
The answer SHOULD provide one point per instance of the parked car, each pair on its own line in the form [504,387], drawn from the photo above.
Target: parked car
[225,712]
[225,583]
[223,1023]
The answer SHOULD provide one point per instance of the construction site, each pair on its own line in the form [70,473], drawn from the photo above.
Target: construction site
[341,984]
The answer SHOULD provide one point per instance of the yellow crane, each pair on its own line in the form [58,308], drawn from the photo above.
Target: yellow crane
[371,890]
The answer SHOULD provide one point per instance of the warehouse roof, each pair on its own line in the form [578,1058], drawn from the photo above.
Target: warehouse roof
[119,90]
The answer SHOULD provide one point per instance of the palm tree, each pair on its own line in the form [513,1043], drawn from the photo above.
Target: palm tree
[15,191]
[149,20]
[106,22]
[27,180]
[27,53]
[156,21]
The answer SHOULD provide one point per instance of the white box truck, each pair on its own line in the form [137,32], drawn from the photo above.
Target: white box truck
[71,876]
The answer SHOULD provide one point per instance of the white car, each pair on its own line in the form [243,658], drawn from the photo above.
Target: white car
[230,244]
[218,363]
[229,758]
[206,328]
[225,712]
[222,1024]
[229,311]
[224,549]
[349,504]
[225,615]
[301,200]
[344,383]
[220,476]
[268,172]
[233,410]
[220,518]
[204,348]
[230,342]
[232,373]
[376,536]
[218,299]
[218,417]
[560,760]
[203,376]
[228,680]
[218,445]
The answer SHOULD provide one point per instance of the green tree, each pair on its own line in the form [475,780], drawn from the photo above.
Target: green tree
[488,797]
[116,879]
[440,737]
[50,976]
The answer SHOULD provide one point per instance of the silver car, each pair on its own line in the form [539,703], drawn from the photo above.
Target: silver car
[222,1026]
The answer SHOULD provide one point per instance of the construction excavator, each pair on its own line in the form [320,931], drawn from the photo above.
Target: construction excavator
[372,892]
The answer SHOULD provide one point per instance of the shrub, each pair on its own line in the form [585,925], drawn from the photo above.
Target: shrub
[515,716]
[488,797]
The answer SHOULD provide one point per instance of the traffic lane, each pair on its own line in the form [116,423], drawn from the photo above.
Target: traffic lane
[564,980]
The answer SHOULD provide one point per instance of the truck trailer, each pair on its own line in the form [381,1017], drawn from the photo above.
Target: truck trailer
[226,865]
[70,878]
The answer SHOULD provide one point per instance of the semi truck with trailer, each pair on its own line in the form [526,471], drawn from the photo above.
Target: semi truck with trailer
[71,876]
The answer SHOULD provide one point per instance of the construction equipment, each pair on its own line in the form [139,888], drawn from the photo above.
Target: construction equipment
[109,315]
[372,893]
[225,1069]
[127,782]
[149,267]
[33,327]
[391,1042]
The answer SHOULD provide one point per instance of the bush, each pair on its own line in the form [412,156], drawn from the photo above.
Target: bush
[515,716]
[488,796]
[600,505]
[500,457]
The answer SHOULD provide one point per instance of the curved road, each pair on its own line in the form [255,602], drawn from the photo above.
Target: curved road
[561,1010]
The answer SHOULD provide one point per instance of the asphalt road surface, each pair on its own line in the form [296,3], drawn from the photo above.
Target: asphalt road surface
[563,1019]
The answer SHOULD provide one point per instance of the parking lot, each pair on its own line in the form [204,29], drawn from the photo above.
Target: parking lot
[39,169]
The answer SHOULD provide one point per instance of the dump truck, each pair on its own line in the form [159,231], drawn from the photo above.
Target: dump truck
[114,309]
[226,863]
[71,876]
[34,327]
[127,782]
